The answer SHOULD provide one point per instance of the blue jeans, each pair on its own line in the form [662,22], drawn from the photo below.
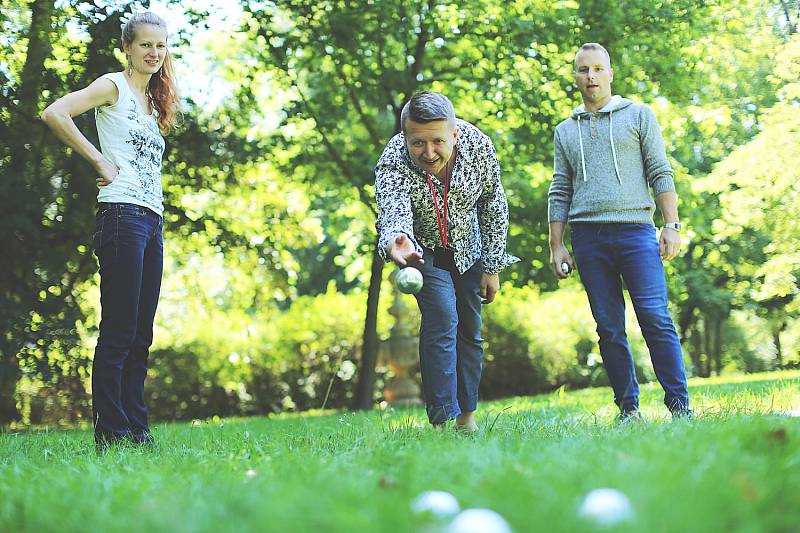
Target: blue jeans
[129,248]
[450,344]
[607,255]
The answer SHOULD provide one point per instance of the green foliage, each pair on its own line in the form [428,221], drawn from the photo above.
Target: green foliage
[758,190]
[715,276]
[308,355]
[187,383]
[217,362]
[746,248]
[343,72]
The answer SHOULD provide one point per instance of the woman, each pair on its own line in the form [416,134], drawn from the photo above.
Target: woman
[133,108]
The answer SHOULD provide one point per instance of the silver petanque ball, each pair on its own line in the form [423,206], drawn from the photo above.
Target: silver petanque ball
[478,521]
[409,280]
[565,267]
[606,507]
[438,503]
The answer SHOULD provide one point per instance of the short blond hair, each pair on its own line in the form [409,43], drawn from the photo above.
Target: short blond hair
[591,46]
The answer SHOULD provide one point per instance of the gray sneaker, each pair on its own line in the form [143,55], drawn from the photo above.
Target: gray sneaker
[630,417]
[682,414]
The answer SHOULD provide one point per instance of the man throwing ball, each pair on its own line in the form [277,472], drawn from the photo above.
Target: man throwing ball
[442,209]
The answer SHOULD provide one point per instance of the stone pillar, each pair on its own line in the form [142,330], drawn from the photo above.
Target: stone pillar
[401,351]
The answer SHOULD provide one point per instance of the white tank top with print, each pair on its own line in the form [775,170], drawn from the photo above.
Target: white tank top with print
[130,139]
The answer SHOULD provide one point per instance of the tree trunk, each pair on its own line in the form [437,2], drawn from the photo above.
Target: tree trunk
[700,337]
[9,375]
[776,339]
[696,352]
[718,346]
[39,49]
[23,121]
[365,388]
[707,345]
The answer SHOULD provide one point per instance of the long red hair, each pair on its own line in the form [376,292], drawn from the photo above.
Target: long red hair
[162,89]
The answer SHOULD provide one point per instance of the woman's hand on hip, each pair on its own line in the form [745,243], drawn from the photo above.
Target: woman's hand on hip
[107,170]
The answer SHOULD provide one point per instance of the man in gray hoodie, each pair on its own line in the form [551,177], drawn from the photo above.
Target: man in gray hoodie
[608,155]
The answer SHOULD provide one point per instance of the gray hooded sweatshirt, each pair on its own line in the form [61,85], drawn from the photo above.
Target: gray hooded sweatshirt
[604,163]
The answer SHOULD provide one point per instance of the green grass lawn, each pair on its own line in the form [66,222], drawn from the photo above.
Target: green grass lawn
[735,467]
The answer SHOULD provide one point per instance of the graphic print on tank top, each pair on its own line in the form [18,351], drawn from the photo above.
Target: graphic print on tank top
[137,146]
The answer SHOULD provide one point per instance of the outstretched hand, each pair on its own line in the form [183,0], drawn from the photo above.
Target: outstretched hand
[402,252]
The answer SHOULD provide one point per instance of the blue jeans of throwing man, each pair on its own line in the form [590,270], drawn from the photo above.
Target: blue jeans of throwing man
[450,344]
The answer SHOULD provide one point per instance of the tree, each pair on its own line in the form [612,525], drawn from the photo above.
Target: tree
[46,204]
[718,273]
[758,193]
[48,195]
[345,69]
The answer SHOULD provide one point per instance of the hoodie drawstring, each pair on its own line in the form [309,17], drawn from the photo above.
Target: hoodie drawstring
[580,138]
[613,151]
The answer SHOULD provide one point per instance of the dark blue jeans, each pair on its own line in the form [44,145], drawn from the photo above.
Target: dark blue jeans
[607,255]
[450,344]
[129,248]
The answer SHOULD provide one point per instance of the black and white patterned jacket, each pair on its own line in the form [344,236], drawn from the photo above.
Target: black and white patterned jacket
[476,203]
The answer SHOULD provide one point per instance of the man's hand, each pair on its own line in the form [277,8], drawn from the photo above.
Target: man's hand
[558,255]
[401,250]
[490,285]
[669,243]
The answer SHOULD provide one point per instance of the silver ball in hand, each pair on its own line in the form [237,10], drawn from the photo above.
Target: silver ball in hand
[409,280]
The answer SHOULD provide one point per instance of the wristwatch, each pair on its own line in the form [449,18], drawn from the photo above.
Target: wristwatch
[673,225]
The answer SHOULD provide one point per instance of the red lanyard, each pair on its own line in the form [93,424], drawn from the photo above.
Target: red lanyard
[441,220]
